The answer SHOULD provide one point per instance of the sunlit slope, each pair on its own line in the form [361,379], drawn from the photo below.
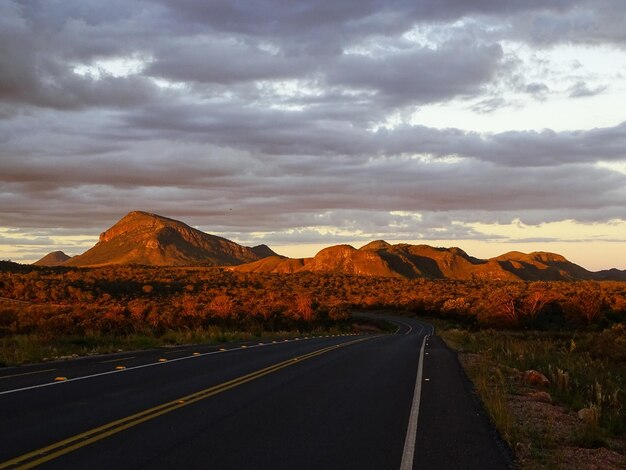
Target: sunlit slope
[542,266]
[150,239]
[380,258]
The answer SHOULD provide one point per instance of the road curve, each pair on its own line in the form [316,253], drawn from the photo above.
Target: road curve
[337,402]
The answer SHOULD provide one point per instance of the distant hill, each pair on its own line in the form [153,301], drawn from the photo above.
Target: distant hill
[56,258]
[542,266]
[379,258]
[274,264]
[263,251]
[150,239]
[611,275]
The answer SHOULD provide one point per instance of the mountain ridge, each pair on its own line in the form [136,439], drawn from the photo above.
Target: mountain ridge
[380,258]
[149,239]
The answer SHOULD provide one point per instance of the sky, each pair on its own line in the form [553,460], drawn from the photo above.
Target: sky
[493,125]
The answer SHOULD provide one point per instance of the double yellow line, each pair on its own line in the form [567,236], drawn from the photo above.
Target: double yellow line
[53,451]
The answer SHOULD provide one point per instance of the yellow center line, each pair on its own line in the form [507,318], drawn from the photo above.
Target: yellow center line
[27,373]
[53,451]
[176,351]
[118,360]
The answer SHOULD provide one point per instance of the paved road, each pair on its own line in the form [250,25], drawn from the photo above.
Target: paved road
[361,402]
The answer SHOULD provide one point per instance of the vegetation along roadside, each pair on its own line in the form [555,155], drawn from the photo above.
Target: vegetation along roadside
[557,398]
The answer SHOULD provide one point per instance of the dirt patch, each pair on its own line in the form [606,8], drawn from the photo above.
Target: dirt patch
[590,459]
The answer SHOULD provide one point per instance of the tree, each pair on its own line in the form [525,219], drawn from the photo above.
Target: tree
[222,307]
[588,301]
[455,307]
[304,307]
[535,302]
[502,307]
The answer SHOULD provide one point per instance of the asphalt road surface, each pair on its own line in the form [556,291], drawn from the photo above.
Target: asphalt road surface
[391,401]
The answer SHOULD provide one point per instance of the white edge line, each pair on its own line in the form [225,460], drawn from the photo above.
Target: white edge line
[169,361]
[411,433]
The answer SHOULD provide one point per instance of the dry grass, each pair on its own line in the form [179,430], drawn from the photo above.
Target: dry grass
[542,426]
[21,349]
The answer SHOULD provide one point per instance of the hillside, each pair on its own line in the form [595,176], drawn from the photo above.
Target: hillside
[56,258]
[379,258]
[542,266]
[611,275]
[150,239]
[274,264]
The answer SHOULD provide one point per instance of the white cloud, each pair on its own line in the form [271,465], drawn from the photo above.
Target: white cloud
[115,67]
[619,167]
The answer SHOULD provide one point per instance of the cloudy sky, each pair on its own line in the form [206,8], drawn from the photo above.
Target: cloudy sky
[494,125]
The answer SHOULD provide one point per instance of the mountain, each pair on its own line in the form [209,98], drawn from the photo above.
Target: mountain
[611,275]
[150,239]
[542,266]
[379,258]
[56,258]
[263,251]
[274,264]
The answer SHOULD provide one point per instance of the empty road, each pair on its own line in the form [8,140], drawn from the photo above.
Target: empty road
[392,401]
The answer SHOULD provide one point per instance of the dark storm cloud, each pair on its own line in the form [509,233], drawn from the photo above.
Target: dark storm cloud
[42,43]
[325,26]
[582,21]
[36,66]
[423,75]
[513,148]
[548,148]
[270,116]
[224,61]
[349,17]
[260,186]
[234,197]
[309,133]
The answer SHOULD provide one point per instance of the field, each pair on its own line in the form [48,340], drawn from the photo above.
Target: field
[571,332]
